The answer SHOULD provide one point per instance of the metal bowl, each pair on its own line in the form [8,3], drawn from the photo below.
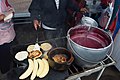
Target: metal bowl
[88,21]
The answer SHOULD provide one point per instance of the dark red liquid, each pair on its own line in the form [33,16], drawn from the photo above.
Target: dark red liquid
[87,42]
[89,37]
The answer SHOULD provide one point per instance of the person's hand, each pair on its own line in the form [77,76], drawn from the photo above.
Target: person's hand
[84,10]
[2,16]
[36,24]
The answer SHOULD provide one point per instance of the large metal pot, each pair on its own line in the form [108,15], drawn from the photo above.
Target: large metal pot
[91,44]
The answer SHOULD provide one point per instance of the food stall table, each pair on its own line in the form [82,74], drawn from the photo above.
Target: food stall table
[73,73]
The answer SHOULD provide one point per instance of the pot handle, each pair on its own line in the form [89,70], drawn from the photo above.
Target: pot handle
[71,60]
[84,16]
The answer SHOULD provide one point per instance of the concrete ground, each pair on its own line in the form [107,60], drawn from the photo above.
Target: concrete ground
[20,5]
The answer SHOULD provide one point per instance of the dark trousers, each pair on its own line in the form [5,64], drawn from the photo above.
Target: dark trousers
[5,57]
[58,37]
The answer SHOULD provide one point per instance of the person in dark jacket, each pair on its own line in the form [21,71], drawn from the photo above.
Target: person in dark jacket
[51,16]
[74,17]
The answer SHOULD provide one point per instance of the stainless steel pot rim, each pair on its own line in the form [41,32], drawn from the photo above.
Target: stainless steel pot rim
[68,37]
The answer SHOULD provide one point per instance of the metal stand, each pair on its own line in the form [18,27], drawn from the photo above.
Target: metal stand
[103,65]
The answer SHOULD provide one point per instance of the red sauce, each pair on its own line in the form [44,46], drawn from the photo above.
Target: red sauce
[89,37]
[87,42]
